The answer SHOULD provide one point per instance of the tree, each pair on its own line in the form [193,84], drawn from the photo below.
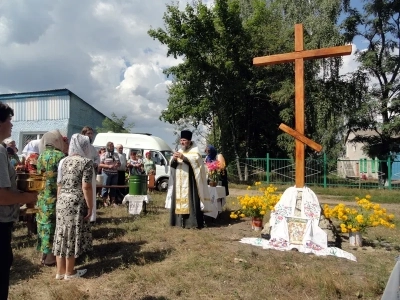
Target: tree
[324,100]
[115,124]
[374,109]
[218,86]
[217,80]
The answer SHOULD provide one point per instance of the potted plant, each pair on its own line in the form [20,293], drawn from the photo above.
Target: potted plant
[256,206]
[214,169]
[356,220]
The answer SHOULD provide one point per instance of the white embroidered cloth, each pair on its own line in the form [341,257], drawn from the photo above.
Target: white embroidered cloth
[217,198]
[136,203]
[301,232]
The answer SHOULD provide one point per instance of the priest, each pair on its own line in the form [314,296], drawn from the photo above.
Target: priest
[188,196]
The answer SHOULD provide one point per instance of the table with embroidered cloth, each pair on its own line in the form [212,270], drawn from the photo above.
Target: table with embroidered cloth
[136,203]
[217,198]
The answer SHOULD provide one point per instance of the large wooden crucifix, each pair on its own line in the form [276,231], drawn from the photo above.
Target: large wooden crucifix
[298,58]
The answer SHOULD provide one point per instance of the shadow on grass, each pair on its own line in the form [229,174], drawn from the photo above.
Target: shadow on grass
[223,220]
[120,255]
[24,241]
[115,220]
[108,233]
[22,269]
[154,298]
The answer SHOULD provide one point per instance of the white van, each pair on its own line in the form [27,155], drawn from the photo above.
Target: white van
[161,153]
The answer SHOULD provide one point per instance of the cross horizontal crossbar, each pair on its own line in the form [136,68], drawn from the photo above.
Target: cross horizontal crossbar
[298,136]
[305,54]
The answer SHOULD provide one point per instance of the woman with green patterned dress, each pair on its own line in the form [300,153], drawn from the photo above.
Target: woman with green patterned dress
[52,147]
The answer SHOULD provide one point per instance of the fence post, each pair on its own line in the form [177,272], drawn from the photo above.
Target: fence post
[267,169]
[389,173]
[325,162]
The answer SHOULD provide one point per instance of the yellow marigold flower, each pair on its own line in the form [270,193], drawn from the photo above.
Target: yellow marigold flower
[368,196]
[242,215]
[354,230]
[392,226]
[262,212]
[248,187]
[344,230]
[244,206]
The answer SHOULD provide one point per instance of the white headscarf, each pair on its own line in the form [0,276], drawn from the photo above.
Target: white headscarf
[80,145]
[31,147]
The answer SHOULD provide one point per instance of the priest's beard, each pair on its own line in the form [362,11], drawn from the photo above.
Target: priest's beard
[185,148]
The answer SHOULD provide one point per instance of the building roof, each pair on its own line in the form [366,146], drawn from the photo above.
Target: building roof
[59,92]
[48,93]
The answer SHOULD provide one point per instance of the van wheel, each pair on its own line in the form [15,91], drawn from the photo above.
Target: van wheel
[162,185]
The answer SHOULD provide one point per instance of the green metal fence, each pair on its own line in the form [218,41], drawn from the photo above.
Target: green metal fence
[363,173]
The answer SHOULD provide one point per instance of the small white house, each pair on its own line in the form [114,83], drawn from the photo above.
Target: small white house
[35,113]
[355,162]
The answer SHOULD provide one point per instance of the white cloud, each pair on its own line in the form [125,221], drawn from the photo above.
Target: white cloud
[100,50]
[350,64]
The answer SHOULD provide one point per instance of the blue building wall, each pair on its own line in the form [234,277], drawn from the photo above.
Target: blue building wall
[396,168]
[83,114]
[38,112]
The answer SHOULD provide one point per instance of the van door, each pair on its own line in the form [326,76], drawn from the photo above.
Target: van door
[162,170]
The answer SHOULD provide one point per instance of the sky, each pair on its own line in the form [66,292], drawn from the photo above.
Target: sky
[99,50]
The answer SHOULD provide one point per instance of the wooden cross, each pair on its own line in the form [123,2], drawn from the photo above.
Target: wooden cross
[298,57]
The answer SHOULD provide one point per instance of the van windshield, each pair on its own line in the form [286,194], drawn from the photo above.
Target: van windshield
[167,155]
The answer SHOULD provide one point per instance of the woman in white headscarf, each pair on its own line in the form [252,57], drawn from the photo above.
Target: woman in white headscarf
[74,207]
[51,148]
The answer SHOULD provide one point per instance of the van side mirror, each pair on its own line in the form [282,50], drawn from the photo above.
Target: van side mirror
[162,162]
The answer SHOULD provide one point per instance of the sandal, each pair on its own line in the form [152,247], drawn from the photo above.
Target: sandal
[43,262]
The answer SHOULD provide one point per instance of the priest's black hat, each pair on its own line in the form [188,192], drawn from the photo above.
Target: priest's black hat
[186,134]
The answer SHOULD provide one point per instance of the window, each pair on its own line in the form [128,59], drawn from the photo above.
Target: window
[27,137]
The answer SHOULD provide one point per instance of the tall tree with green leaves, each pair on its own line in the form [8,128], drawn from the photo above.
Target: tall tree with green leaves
[217,84]
[323,100]
[374,110]
[115,124]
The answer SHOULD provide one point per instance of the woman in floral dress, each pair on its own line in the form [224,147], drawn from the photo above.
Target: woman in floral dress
[51,150]
[74,207]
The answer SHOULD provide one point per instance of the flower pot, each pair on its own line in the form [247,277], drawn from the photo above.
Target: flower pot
[355,239]
[256,223]
[212,183]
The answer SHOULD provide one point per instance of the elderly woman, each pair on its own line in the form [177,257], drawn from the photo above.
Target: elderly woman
[149,164]
[134,164]
[51,149]
[213,155]
[74,207]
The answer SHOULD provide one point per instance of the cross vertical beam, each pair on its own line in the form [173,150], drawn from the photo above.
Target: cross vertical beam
[299,104]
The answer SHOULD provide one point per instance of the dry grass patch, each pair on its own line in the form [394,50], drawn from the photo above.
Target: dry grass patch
[143,258]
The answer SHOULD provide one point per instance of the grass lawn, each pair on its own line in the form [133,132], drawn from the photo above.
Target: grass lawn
[144,258]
